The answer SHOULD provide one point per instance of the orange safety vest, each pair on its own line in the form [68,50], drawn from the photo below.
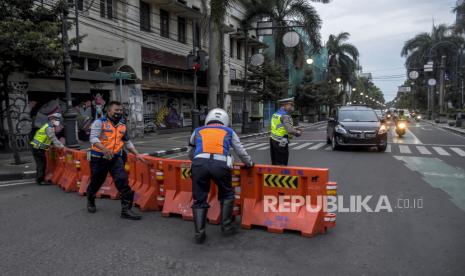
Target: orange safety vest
[111,136]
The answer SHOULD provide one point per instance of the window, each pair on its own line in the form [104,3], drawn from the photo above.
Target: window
[182,29]
[144,16]
[239,50]
[232,74]
[80,4]
[145,72]
[231,47]
[198,35]
[107,63]
[164,23]
[93,64]
[78,62]
[106,8]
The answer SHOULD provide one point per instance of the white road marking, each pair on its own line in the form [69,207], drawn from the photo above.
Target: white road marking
[317,146]
[423,150]
[388,148]
[256,146]
[323,127]
[458,151]
[249,144]
[302,146]
[329,147]
[18,183]
[441,151]
[404,149]
[264,148]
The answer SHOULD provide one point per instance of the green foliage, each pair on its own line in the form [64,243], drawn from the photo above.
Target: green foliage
[315,94]
[29,38]
[271,76]
[343,57]
[287,13]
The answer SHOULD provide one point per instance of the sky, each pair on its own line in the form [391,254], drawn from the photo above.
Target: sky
[379,29]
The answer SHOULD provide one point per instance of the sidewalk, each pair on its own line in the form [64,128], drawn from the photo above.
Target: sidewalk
[152,144]
[445,125]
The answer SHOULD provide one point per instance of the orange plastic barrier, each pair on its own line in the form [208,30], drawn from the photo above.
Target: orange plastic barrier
[147,183]
[51,156]
[85,173]
[108,189]
[59,168]
[178,192]
[289,184]
[69,180]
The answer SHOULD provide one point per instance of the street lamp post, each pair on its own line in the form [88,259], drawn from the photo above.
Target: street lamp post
[69,115]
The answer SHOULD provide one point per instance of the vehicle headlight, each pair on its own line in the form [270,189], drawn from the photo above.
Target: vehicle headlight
[382,129]
[340,129]
[418,117]
[389,116]
[402,125]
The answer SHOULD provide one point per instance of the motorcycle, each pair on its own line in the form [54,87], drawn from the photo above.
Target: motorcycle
[401,127]
[417,117]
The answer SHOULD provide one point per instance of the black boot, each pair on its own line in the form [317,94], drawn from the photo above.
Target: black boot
[200,219]
[227,219]
[91,208]
[126,210]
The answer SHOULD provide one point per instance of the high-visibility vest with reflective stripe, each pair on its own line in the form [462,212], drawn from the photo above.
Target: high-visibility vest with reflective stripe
[111,136]
[214,139]
[41,140]
[278,130]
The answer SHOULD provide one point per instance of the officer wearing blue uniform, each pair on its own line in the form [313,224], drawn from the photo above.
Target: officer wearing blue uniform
[209,150]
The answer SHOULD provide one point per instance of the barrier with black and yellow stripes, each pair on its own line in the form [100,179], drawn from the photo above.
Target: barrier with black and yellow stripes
[286,198]
[262,193]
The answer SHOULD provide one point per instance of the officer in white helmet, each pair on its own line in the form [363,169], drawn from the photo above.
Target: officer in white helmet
[209,150]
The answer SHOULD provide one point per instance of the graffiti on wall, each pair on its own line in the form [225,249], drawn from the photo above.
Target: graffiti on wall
[20,115]
[133,110]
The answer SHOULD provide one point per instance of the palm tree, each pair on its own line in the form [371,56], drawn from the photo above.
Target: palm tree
[417,50]
[342,59]
[286,13]
[214,22]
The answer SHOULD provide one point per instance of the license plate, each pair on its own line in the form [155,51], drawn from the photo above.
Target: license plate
[370,135]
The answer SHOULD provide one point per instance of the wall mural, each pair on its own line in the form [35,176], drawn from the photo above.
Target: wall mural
[20,115]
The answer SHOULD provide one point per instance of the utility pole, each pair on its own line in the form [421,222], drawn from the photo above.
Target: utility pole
[442,84]
[70,115]
[245,113]
[195,112]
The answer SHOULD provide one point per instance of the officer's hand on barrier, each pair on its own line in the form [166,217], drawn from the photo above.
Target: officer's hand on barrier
[249,165]
[141,158]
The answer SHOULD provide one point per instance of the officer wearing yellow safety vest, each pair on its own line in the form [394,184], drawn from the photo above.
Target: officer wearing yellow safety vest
[108,136]
[43,139]
[209,150]
[282,130]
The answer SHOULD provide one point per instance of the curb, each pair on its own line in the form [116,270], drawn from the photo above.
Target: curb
[448,128]
[17,176]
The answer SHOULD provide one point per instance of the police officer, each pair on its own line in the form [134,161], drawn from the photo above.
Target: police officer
[209,150]
[43,139]
[282,130]
[108,135]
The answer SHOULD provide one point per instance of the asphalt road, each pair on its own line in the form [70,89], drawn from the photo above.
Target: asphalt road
[45,231]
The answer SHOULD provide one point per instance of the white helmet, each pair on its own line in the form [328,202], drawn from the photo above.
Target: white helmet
[54,116]
[219,115]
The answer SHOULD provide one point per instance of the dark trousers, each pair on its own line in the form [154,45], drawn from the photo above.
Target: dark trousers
[100,167]
[203,171]
[41,163]
[279,155]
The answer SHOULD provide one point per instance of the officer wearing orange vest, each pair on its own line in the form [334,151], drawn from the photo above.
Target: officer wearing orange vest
[108,135]
[209,150]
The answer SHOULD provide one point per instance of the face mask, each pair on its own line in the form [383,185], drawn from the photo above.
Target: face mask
[56,123]
[117,116]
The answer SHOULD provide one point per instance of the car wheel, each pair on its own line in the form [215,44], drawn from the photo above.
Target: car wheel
[382,148]
[334,144]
